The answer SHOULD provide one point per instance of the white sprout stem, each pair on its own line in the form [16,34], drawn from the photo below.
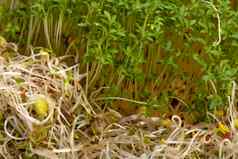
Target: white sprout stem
[192,141]
[232,110]
[66,150]
[218,23]
[10,73]
[67,69]
[213,116]
[123,99]
[28,58]
[72,135]
[9,134]
[180,142]
[178,123]
[233,92]
[33,74]
[225,141]
[213,86]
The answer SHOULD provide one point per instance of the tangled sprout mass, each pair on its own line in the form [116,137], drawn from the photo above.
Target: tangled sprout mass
[47,111]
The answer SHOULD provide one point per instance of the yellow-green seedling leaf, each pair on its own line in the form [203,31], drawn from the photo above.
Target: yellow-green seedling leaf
[147,140]
[3,41]
[162,141]
[41,106]
[8,54]
[19,80]
[44,53]
[223,128]
[68,79]
[236,123]
[219,113]
[1,117]
[142,110]
[166,123]
[53,71]
[2,137]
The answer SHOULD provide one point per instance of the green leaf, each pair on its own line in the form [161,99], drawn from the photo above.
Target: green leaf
[214,102]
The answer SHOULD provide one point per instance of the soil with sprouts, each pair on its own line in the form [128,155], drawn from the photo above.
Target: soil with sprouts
[46,113]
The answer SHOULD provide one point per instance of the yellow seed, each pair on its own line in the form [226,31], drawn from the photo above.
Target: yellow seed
[41,106]
[223,128]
